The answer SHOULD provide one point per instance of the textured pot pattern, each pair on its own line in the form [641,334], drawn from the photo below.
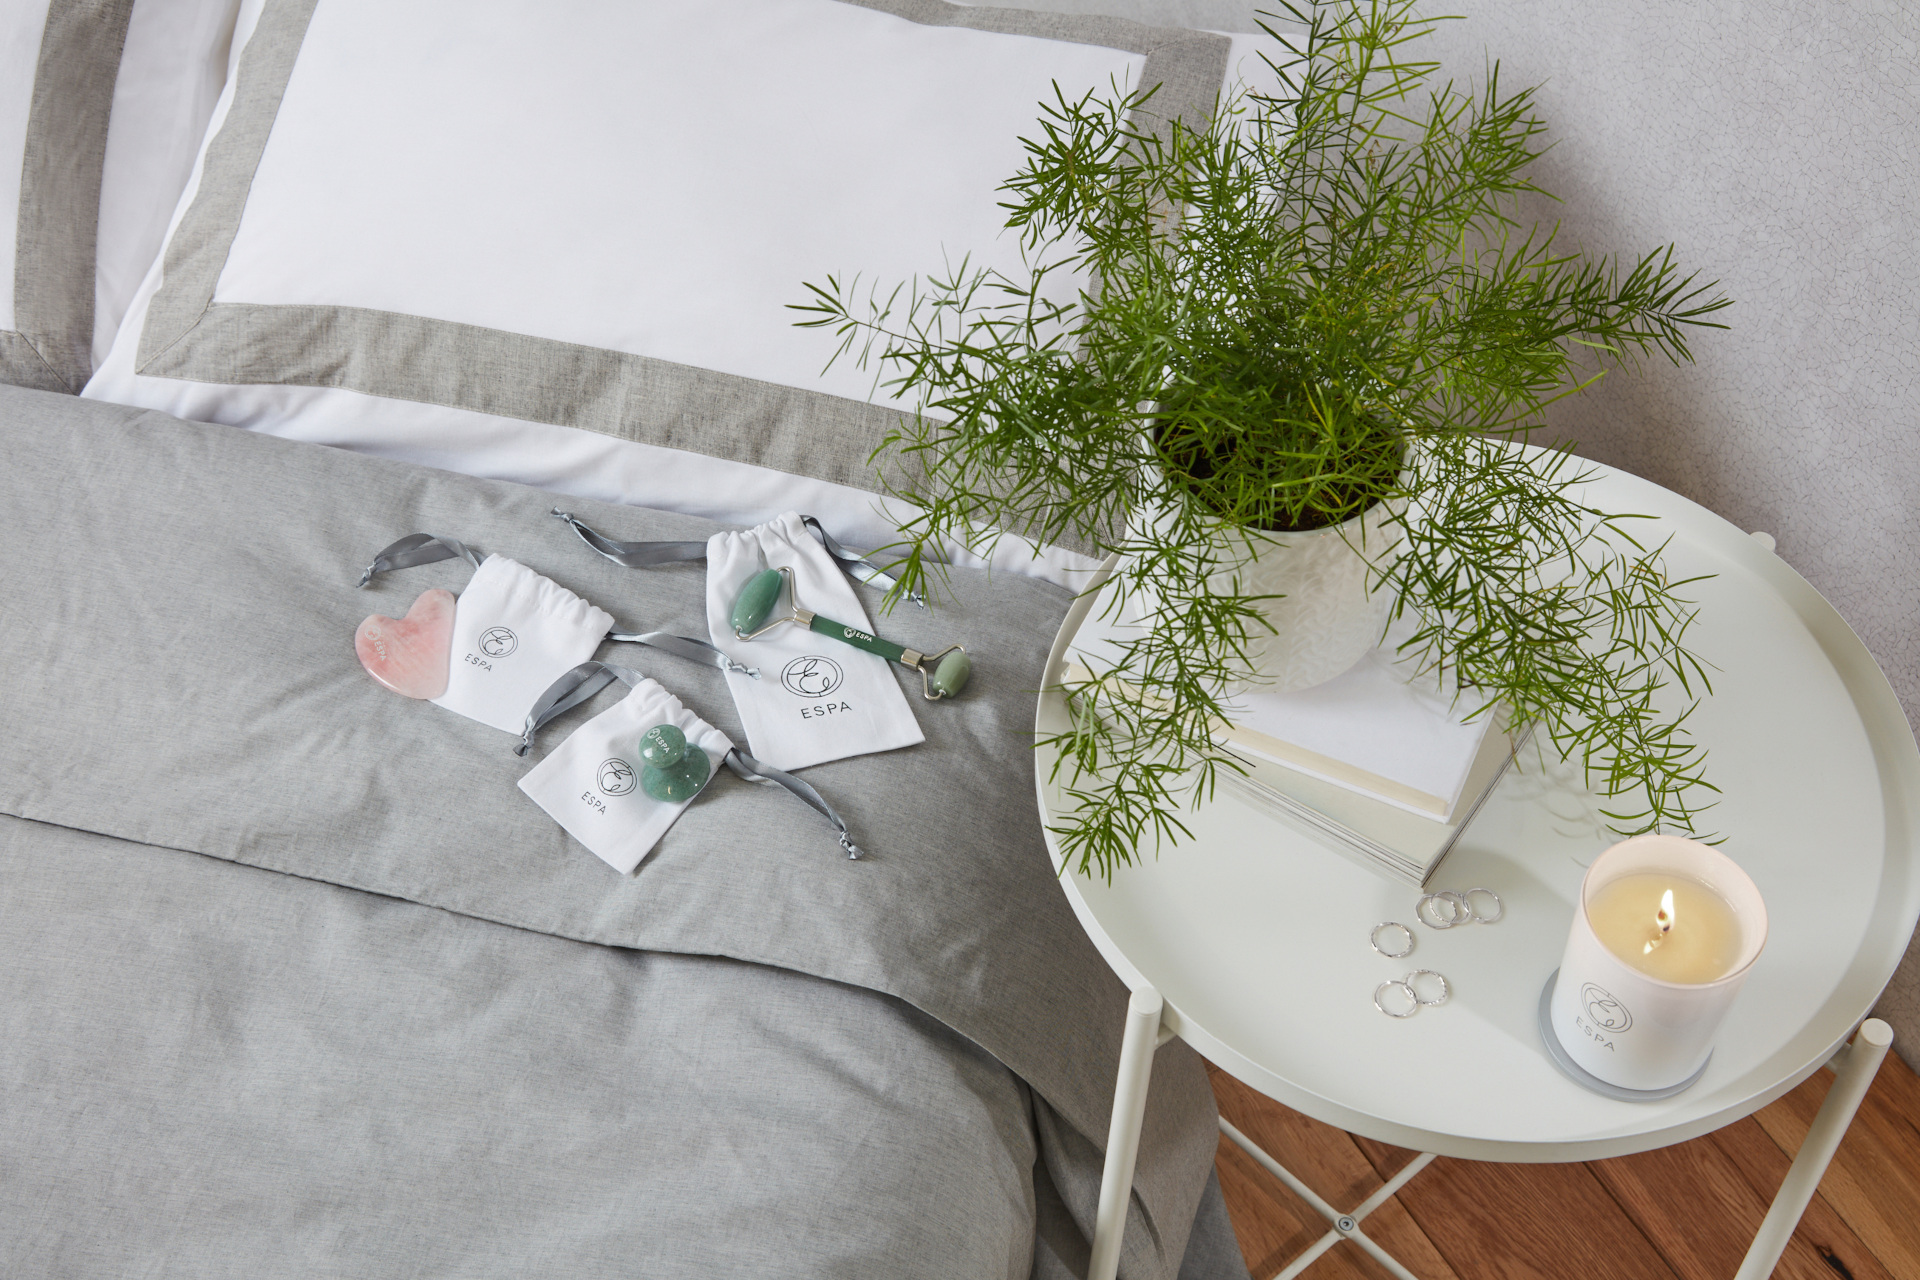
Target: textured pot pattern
[1327,619]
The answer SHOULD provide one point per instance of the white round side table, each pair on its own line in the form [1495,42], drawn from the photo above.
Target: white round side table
[1250,940]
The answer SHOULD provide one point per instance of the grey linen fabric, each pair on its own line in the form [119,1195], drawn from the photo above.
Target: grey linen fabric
[210,1071]
[51,343]
[190,336]
[178,636]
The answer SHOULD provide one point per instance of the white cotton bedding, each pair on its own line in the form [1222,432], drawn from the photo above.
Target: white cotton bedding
[636,191]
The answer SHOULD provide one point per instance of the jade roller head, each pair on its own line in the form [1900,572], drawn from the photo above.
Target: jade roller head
[670,770]
[942,674]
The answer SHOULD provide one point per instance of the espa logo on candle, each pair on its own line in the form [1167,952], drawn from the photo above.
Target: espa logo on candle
[1603,1010]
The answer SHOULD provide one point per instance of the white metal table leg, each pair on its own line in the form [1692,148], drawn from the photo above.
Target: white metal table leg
[1854,1070]
[1346,1226]
[1123,1135]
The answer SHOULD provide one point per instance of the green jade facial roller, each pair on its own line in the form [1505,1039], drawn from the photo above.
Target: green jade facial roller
[942,675]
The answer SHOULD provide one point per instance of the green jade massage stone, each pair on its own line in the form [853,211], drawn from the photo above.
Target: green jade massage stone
[663,746]
[670,771]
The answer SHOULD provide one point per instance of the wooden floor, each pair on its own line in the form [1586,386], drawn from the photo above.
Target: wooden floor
[1685,1213]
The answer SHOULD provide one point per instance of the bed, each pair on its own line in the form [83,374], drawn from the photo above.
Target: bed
[298,982]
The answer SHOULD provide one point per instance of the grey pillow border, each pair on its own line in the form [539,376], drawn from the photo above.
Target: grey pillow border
[51,346]
[189,337]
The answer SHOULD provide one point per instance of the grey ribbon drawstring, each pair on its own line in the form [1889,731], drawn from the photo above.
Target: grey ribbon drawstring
[590,677]
[634,555]
[746,767]
[568,692]
[643,555]
[684,647]
[856,565]
[418,549]
[427,548]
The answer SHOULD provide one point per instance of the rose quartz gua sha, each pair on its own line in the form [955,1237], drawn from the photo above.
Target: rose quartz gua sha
[410,655]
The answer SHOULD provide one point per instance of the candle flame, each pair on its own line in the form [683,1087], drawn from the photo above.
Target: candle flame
[1663,923]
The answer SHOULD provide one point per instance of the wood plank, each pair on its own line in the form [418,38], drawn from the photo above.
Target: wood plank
[1272,1224]
[1393,1229]
[1386,1160]
[1279,1225]
[1320,1155]
[1529,1222]
[1822,1236]
[1700,1210]
[1874,1180]
[1681,1213]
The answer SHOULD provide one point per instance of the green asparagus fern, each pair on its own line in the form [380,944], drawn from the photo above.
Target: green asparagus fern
[1318,301]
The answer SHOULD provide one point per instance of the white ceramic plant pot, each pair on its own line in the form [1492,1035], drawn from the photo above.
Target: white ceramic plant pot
[1326,619]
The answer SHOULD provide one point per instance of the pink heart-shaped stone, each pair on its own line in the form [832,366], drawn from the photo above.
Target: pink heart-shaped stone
[410,655]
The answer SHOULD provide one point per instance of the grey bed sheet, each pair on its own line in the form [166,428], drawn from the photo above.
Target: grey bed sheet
[174,633]
[214,1071]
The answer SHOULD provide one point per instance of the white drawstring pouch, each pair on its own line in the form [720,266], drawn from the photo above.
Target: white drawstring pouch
[590,785]
[515,633]
[816,700]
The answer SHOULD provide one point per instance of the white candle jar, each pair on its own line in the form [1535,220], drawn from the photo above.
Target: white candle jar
[1625,1028]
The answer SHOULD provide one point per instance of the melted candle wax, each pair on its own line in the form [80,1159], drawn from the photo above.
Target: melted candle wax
[1666,926]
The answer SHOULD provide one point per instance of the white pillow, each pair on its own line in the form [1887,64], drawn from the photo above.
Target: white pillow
[171,73]
[556,243]
[102,104]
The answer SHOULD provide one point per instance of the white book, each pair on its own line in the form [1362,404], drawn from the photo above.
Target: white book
[1375,729]
[1380,728]
[1381,765]
[1381,837]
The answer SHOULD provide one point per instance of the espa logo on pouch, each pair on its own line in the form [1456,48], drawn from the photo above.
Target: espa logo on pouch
[815,678]
[498,642]
[616,777]
[811,676]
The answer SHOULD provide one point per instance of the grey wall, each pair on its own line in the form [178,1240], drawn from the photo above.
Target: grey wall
[1774,142]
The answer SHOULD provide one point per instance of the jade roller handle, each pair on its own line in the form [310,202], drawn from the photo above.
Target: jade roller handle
[858,639]
[947,678]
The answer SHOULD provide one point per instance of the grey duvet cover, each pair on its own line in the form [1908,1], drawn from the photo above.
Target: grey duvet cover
[293,981]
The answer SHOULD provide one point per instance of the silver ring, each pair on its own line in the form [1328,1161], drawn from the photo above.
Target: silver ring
[1412,995]
[1458,911]
[1446,989]
[1373,939]
[1496,917]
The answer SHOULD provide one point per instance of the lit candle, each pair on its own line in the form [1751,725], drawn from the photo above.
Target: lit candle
[1664,935]
[1667,927]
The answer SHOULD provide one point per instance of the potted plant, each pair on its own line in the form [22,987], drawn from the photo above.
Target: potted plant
[1317,322]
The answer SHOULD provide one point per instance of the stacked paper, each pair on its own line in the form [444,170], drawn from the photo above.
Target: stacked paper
[1381,764]
[1405,741]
